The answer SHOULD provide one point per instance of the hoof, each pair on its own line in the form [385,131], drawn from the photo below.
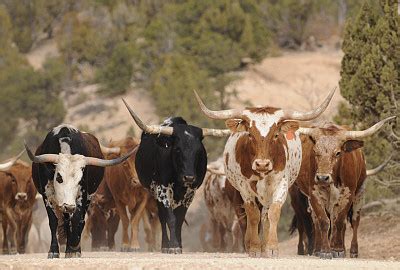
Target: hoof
[73,255]
[339,254]
[53,255]
[175,251]
[353,254]
[254,254]
[270,253]
[134,249]
[325,255]
[164,250]
[316,253]
[125,249]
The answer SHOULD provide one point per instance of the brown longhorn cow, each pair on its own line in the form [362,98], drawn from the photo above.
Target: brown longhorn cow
[302,220]
[102,219]
[127,192]
[334,183]
[263,156]
[16,201]
[219,196]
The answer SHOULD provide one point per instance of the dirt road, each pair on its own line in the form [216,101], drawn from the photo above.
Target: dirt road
[117,260]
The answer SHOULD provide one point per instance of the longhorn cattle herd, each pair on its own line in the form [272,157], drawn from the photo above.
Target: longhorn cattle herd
[270,153]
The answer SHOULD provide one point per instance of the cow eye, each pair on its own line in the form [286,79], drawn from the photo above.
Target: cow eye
[338,153]
[276,136]
[59,178]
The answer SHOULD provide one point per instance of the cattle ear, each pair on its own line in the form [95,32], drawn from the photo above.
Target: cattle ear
[236,125]
[351,145]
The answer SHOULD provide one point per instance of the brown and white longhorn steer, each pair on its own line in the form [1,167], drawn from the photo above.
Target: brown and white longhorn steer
[262,160]
[338,184]
[16,201]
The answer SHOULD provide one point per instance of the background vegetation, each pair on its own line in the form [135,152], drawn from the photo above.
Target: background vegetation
[167,47]
[370,83]
[170,47]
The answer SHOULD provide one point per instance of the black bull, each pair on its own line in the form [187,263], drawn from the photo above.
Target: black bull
[172,167]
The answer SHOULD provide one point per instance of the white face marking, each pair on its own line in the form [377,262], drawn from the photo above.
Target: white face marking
[57,129]
[188,134]
[278,183]
[167,122]
[70,167]
[263,122]
[64,146]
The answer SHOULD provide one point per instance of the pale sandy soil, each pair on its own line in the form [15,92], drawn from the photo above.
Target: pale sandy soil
[230,261]
[294,80]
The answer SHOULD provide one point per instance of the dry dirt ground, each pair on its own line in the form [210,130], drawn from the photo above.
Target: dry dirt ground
[192,261]
[379,242]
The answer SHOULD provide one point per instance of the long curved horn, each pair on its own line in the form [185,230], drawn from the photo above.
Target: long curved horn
[368,132]
[110,150]
[152,129]
[50,158]
[105,163]
[379,168]
[214,171]
[216,132]
[223,114]
[305,130]
[7,165]
[306,116]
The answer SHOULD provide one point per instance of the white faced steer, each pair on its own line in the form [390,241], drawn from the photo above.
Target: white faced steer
[67,169]
[262,159]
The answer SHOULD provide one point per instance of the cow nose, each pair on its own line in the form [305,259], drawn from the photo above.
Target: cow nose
[68,208]
[21,196]
[188,178]
[262,165]
[323,177]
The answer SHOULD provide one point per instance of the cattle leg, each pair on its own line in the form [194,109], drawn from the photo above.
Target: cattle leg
[112,227]
[162,215]
[316,249]
[76,223]
[22,237]
[355,221]
[54,251]
[236,235]
[274,213]
[4,224]
[222,233]
[136,214]
[150,238]
[179,214]
[252,240]
[323,224]
[12,230]
[339,227]
[216,237]
[125,224]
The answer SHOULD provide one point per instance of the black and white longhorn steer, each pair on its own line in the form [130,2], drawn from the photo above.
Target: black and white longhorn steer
[67,169]
[171,162]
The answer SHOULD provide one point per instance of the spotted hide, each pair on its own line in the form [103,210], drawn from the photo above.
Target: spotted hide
[67,170]
[262,160]
[172,167]
[219,199]
[334,184]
